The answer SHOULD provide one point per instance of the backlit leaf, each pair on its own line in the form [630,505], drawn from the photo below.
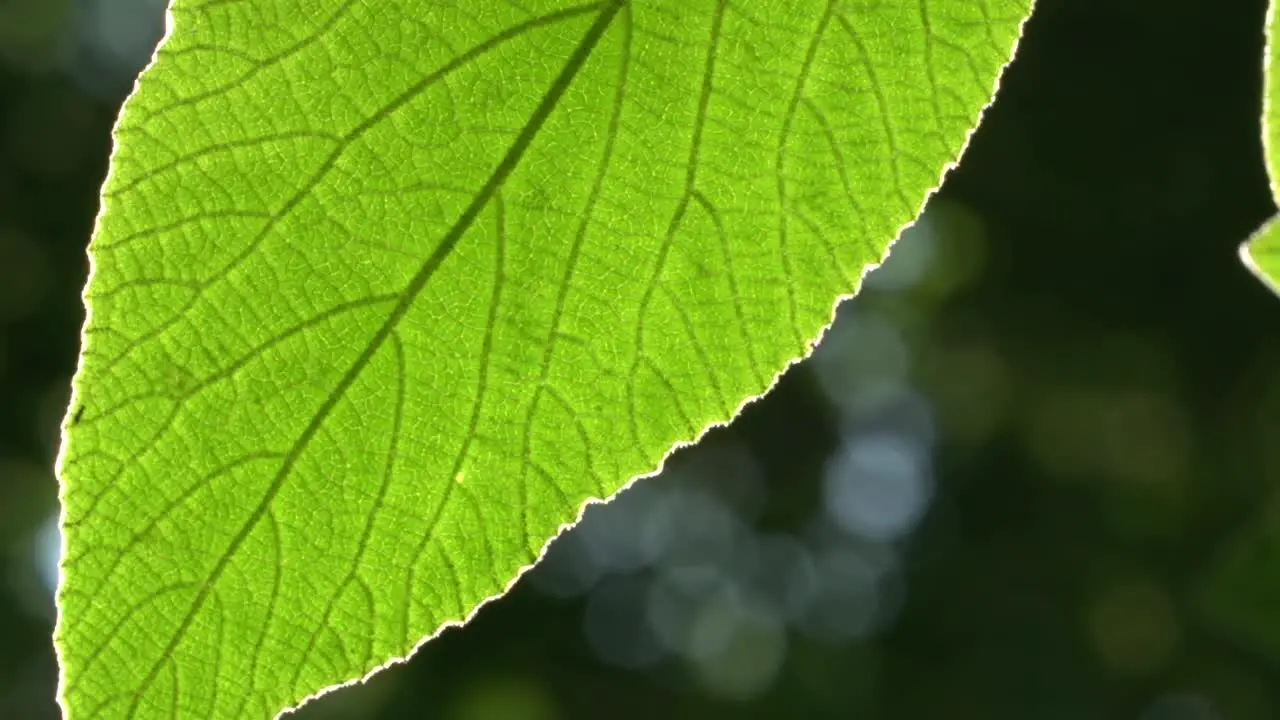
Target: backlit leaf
[383,292]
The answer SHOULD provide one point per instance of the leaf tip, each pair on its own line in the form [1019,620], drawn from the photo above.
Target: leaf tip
[1265,243]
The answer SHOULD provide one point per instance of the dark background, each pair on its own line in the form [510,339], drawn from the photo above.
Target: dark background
[1029,474]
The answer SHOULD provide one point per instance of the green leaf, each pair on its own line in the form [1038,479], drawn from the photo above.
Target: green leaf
[382,293]
[1261,253]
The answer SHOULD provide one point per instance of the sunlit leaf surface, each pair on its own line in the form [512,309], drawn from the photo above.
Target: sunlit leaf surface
[383,292]
[1262,252]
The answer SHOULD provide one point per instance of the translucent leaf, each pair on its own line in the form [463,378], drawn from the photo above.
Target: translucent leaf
[382,293]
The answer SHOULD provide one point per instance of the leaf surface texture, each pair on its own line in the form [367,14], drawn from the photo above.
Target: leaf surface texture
[383,292]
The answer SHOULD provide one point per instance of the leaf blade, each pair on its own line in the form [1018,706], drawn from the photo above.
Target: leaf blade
[1261,252]
[306,421]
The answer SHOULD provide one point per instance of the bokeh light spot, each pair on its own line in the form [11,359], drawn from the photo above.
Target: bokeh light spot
[504,698]
[1134,627]
[1181,707]
[878,486]
[737,653]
